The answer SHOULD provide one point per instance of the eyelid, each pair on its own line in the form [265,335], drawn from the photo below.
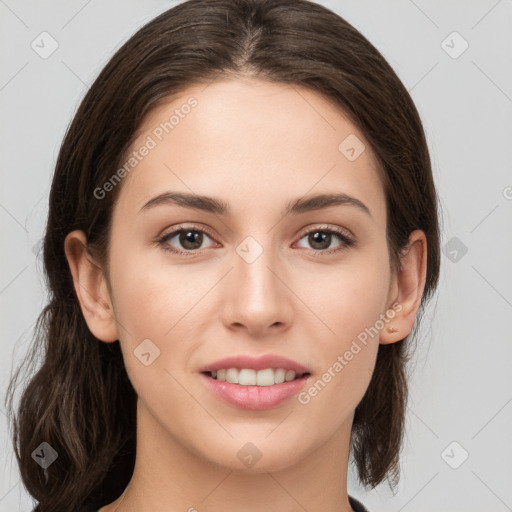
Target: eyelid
[326,227]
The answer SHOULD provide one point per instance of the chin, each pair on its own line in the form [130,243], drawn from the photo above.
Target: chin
[249,457]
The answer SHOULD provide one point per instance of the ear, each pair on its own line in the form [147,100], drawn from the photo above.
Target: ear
[91,288]
[407,287]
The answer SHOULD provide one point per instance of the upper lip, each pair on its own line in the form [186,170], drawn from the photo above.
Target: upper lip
[255,363]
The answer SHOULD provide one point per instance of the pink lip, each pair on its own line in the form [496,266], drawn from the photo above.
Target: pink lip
[256,363]
[254,397]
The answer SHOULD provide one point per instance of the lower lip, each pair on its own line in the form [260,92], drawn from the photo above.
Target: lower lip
[255,397]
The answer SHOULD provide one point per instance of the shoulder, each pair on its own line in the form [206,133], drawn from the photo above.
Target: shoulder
[357,505]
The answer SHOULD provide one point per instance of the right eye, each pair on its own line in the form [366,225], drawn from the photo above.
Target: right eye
[190,237]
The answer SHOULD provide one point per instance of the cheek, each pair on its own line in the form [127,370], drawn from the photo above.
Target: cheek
[349,302]
[152,294]
[161,302]
[155,308]
[347,351]
[350,297]
[332,395]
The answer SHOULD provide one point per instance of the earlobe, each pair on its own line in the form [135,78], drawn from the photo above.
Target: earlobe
[409,286]
[90,287]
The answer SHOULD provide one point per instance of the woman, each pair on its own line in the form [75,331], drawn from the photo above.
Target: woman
[242,237]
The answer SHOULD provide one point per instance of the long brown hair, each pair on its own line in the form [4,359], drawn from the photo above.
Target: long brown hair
[80,401]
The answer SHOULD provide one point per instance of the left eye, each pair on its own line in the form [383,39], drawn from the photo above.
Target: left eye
[323,238]
[191,240]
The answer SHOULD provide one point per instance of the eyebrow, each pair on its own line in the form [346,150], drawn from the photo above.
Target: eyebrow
[293,207]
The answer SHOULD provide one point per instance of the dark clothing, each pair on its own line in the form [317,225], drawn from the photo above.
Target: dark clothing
[357,505]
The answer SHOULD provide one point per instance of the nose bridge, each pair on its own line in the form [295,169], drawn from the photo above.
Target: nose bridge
[258,297]
[253,265]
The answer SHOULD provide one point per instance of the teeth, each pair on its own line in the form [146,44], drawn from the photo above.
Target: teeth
[249,377]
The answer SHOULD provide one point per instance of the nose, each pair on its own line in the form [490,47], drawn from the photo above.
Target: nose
[257,297]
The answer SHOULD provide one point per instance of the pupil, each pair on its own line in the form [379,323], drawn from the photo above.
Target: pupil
[321,239]
[191,237]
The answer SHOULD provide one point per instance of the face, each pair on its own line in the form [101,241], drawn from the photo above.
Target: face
[255,279]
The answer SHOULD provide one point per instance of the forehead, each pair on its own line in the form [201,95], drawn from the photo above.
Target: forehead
[250,142]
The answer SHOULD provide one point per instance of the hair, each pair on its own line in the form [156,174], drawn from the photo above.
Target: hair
[81,400]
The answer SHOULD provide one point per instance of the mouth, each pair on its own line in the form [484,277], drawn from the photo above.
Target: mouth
[247,388]
[251,377]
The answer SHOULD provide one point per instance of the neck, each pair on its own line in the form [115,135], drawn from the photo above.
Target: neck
[170,477]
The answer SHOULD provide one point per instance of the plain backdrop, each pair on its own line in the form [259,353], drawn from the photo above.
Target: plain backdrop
[455,59]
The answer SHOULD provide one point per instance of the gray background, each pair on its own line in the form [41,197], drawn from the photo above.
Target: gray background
[460,385]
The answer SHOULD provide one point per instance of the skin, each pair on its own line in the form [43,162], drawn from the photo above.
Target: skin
[255,145]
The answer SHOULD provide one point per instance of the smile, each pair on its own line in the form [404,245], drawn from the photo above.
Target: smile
[250,377]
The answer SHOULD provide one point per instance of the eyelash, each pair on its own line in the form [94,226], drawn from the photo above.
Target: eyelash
[346,241]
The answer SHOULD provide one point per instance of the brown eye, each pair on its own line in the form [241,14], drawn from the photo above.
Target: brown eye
[190,239]
[184,240]
[321,239]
